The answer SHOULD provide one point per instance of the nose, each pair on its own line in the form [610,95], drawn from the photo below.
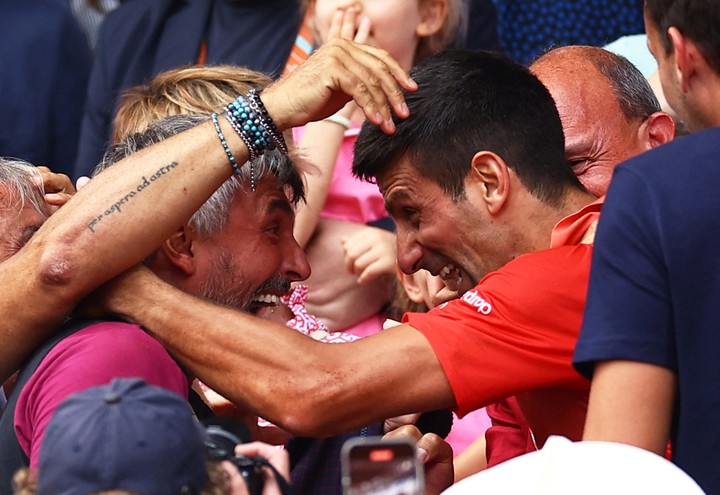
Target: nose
[295,265]
[409,251]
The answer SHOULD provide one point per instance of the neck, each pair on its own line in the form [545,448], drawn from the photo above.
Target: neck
[540,218]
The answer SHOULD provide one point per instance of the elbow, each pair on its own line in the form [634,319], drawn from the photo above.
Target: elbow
[302,421]
[307,411]
[57,271]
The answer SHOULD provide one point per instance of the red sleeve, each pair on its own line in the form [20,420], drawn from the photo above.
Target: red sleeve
[93,356]
[515,331]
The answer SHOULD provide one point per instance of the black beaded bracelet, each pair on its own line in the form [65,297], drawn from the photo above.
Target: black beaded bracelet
[257,105]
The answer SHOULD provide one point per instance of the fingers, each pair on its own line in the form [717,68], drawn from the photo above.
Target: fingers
[344,24]
[374,79]
[370,254]
[57,199]
[363,32]
[391,424]
[405,431]
[55,183]
[274,455]
[82,182]
[339,71]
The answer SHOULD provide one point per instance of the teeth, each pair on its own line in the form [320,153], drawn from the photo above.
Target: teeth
[451,282]
[267,298]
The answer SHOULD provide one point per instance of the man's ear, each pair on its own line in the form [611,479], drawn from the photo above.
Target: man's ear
[687,57]
[178,250]
[491,177]
[656,130]
[432,17]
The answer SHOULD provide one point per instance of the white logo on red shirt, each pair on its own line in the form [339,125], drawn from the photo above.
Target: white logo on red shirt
[473,299]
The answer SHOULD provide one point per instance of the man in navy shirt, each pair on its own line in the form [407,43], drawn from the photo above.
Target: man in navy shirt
[650,335]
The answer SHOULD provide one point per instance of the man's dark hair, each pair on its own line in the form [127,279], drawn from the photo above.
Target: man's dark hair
[470,101]
[696,19]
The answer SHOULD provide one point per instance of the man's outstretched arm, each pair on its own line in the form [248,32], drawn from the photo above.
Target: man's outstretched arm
[304,386]
[123,214]
[631,402]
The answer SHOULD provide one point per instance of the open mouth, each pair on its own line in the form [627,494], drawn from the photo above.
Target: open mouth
[451,277]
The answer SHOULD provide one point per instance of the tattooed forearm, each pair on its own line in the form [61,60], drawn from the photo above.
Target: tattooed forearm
[123,201]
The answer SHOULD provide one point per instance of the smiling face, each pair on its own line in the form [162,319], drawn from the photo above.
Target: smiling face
[598,136]
[457,240]
[396,25]
[252,261]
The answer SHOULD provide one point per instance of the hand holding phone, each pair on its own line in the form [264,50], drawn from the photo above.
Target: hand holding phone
[371,465]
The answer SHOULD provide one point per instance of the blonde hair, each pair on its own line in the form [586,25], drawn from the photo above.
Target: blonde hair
[453,28]
[195,89]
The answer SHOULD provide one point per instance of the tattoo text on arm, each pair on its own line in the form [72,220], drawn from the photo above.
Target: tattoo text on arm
[118,205]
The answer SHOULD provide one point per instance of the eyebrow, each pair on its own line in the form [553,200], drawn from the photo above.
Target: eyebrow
[394,197]
[279,204]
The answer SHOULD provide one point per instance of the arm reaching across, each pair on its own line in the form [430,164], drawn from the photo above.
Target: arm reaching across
[281,374]
[124,213]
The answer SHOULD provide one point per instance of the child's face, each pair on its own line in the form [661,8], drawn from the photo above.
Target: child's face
[395,25]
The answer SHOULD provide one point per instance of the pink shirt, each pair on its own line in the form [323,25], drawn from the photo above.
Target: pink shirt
[349,198]
[90,357]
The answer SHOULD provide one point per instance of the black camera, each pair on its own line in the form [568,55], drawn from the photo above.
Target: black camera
[223,434]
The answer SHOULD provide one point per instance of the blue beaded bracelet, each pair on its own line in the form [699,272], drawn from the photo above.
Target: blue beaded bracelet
[224,143]
[248,123]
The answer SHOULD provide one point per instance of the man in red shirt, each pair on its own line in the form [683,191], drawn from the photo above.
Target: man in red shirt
[476,180]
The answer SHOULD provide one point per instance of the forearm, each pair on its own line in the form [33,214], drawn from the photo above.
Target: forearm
[631,402]
[303,386]
[320,145]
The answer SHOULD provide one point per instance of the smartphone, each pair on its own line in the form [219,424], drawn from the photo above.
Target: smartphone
[371,465]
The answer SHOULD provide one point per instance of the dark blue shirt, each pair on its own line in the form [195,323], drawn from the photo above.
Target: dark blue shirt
[654,289]
[44,67]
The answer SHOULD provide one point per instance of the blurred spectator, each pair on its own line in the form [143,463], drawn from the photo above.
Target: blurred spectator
[528,28]
[90,13]
[140,39]
[43,79]
[127,435]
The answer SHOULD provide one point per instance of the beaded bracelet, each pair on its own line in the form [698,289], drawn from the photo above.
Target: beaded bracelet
[224,143]
[276,136]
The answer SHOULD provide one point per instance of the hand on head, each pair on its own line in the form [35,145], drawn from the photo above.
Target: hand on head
[339,71]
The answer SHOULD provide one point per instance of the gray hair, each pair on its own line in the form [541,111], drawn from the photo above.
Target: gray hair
[21,185]
[636,98]
[632,90]
[211,217]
